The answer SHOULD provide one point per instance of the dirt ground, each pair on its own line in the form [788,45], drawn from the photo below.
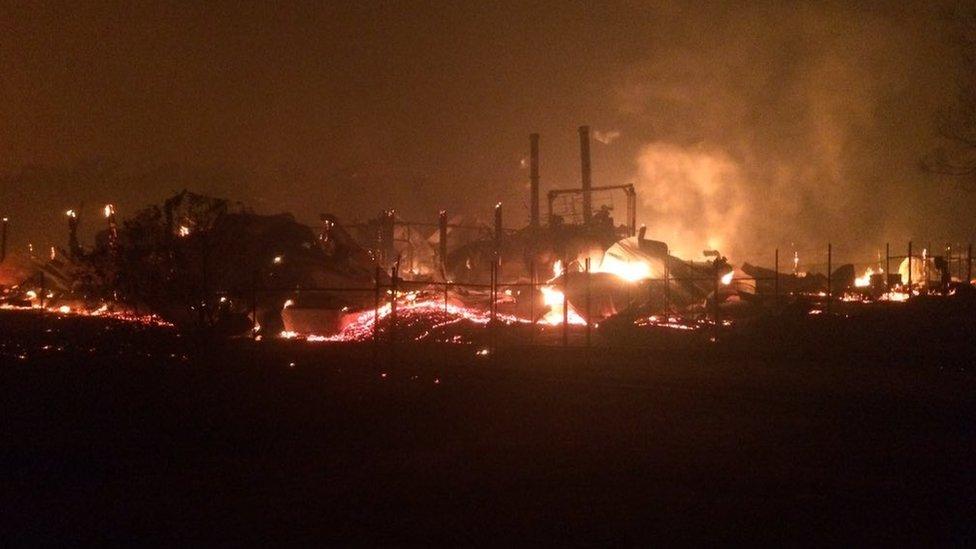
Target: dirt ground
[119,433]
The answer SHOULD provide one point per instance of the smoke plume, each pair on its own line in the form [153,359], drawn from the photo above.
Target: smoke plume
[779,124]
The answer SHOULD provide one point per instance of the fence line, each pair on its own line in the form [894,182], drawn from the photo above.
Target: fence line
[705,286]
[398,286]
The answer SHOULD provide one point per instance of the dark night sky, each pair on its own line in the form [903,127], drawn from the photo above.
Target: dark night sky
[748,126]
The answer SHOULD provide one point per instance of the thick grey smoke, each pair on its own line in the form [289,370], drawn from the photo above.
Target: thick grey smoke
[788,123]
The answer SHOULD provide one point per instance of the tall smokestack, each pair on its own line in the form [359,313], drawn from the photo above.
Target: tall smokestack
[73,246]
[584,133]
[534,178]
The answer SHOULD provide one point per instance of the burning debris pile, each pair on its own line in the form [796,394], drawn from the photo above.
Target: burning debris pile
[192,262]
[203,263]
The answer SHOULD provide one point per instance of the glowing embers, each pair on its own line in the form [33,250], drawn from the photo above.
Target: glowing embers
[897,295]
[675,323]
[422,317]
[417,318]
[102,311]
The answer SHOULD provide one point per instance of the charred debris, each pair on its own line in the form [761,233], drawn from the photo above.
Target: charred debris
[206,263]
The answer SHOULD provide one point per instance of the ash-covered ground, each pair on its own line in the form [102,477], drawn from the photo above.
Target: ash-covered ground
[116,432]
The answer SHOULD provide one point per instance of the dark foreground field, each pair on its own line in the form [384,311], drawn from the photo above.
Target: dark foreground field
[115,434]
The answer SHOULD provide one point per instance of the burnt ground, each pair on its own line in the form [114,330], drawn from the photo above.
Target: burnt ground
[118,433]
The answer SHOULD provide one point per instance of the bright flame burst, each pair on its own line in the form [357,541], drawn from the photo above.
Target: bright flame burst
[727,278]
[557,268]
[865,281]
[554,299]
[627,270]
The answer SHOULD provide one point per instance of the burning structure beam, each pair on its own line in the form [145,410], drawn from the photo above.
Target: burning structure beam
[113,228]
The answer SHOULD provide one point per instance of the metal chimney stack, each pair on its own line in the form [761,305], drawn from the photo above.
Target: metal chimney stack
[584,133]
[73,246]
[534,178]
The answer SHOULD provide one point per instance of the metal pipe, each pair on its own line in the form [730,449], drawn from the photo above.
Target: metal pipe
[829,275]
[584,135]
[909,268]
[715,280]
[667,281]
[387,248]
[494,301]
[969,263]
[393,303]
[948,258]
[254,304]
[565,307]
[959,265]
[3,241]
[926,252]
[442,235]
[549,199]
[532,297]
[491,290]
[776,279]
[376,304]
[495,264]
[887,277]
[588,311]
[534,179]
[498,228]
[631,209]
